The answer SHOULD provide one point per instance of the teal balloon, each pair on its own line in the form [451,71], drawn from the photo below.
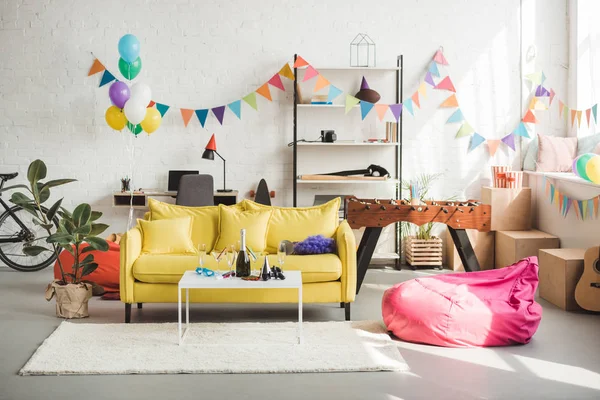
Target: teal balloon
[129,48]
[130,70]
[582,163]
[135,129]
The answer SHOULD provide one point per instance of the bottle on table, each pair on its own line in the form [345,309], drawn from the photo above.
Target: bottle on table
[242,266]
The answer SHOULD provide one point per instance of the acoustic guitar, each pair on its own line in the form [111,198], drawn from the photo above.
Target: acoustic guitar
[587,291]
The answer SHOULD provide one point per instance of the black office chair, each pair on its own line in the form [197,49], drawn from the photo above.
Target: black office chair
[196,191]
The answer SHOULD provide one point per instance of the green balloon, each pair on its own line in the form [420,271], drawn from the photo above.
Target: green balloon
[130,71]
[582,163]
[135,129]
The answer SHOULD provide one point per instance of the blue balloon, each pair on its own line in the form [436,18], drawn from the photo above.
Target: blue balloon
[129,48]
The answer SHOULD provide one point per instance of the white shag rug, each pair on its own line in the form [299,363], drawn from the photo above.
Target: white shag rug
[98,349]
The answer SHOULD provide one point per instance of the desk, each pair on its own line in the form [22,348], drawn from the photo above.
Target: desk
[140,199]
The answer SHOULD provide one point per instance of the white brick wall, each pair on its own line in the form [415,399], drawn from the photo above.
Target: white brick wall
[204,54]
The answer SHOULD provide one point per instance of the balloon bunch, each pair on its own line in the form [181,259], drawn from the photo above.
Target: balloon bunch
[587,166]
[131,106]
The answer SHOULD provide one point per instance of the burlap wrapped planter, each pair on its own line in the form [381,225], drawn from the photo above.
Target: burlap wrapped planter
[71,299]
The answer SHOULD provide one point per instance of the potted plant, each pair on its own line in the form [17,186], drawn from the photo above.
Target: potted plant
[75,230]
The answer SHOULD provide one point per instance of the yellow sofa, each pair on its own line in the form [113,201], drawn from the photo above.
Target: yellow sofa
[147,277]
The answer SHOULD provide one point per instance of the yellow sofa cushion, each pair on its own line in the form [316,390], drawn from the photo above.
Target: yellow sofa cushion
[169,268]
[231,221]
[296,224]
[205,220]
[167,236]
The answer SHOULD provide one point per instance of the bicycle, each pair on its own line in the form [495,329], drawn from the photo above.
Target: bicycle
[18,230]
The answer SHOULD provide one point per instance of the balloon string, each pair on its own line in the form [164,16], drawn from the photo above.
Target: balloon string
[131,153]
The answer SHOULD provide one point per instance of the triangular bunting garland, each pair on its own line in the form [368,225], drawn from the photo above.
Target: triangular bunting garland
[588,113]
[530,118]
[162,109]
[186,115]
[556,196]
[422,90]
[310,73]
[578,118]
[532,103]
[250,99]
[219,113]
[576,208]
[433,69]
[521,130]
[276,81]
[509,140]
[96,67]
[107,77]
[594,112]
[552,189]
[321,83]
[541,91]
[381,109]
[151,104]
[408,106]
[565,113]
[365,107]
[439,58]
[415,99]
[560,107]
[552,94]
[450,102]
[201,114]
[584,208]
[493,146]
[456,117]
[596,200]
[476,140]
[429,79]
[465,130]
[543,78]
[446,84]
[236,108]
[535,78]
[300,62]
[333,93]
[568,206]
[573,115]
[264,91]
[286,72]
[351,101]
[396,110]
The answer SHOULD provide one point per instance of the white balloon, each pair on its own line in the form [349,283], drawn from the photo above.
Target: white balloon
[135,111]
[141,93]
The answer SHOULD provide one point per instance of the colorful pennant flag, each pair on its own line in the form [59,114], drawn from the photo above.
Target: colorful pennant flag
[584,208]
[552,94]
[588,113]
[561,105]
[566,113]
[351,101]
[250,99]
[276,81]
[573,115]
[321,83]
[429,79]
[433,69]
[450,102]
[310,73]
[446,84]
[287,72]
[162,109]
[552,189]
[365,107]
[535,78]
[465,130]
[578,118]
[415,99]
[96,67]
[236,108]
[456,117]
[530,118]
[333,93]
[509,140]
[422,90]
[107,77]
[151,104]
[521,130]
[493,146]
[265,92]
[595,112]
[408,106]
[476,140]
[219,113]
[300,62]
[396,110]
[186,114]
[439,58]
[202,115]
[381,109]
[596,200]
[541,91]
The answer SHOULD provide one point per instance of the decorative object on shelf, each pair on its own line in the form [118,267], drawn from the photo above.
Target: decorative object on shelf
[320,99]
[499,175]
[587,166]
[209,154]
[328,136]
[363,52]
[366,93]
[584,209]
[371,172]
[125,184]
[514,179]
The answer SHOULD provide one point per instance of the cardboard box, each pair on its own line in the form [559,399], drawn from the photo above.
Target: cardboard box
[560,270]
[512,246]
[511,208]
[483,244]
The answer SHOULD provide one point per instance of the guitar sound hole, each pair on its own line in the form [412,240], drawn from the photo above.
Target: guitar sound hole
[597,266]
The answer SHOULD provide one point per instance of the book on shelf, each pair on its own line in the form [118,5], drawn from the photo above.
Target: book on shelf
[391,132]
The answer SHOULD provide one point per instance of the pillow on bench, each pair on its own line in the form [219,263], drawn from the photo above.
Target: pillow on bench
[556,154]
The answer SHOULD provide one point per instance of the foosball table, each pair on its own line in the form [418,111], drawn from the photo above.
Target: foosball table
[375,214]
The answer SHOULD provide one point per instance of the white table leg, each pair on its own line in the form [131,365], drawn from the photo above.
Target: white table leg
[179,312]
[300,314]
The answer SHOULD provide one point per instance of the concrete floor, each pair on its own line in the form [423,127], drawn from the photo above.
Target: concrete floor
[561,362]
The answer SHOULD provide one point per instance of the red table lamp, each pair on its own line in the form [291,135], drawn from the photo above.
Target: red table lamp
[209,154]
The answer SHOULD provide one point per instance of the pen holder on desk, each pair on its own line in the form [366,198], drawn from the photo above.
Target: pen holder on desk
[415,199]
[125,184]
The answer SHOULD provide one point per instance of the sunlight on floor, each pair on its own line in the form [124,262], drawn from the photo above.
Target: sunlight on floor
[561,372]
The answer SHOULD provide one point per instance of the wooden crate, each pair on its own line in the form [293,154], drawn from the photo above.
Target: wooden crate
[421,252]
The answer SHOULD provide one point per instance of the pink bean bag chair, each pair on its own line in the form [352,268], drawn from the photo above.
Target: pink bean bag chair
[484,308]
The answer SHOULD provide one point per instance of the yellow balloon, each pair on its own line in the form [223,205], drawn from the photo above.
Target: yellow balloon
[592,169]
[152,120]
[115,118]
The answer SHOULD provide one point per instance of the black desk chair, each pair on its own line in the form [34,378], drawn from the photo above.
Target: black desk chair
[196,191]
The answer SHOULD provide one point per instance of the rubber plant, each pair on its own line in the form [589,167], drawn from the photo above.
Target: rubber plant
[75,229]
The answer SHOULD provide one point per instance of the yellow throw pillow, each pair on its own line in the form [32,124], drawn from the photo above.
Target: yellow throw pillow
[167,236]
[296,224]
[205,220]
[231,221]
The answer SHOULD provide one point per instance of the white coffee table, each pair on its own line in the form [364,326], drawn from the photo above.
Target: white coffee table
[192,280]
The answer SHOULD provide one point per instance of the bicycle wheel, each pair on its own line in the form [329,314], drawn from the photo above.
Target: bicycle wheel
[12,253]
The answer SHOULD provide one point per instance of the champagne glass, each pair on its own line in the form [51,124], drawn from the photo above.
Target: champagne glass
[201,254]
[230,256]
[281,253]
[217,256]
